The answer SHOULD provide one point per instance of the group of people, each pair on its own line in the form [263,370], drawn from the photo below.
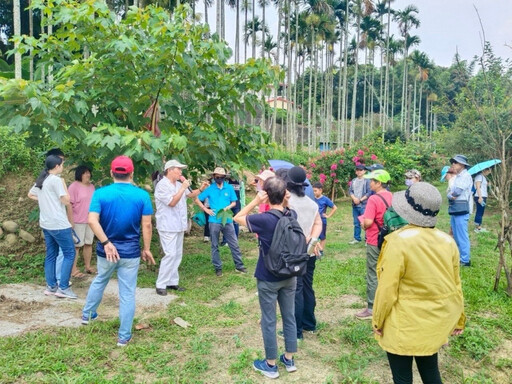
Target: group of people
[416,267]
[64,221]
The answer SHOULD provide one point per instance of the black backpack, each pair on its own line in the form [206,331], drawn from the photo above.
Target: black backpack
[391,222]
[287,255]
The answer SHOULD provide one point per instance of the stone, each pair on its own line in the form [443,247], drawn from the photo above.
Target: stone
[26,236]
[10,226]
[10,240]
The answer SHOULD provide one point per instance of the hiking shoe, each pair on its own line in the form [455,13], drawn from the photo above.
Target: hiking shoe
[218,272]
[86,319]
[66,293]
[241,270]
[289,364]
[206,239]
[161,291]
[49,291]
[480,230]
[365,315]
[263,367]
[123,343]
[354,242]
[463,264]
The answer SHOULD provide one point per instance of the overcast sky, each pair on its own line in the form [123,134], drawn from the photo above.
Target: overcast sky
[446,26]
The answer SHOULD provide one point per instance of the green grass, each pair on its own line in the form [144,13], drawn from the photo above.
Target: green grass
[225,336]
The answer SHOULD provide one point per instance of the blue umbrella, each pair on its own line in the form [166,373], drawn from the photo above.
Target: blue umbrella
[483,165]
[444,171]
[281,164]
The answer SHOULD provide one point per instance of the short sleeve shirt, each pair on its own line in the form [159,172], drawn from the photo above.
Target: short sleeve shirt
[121,207]
[80,196]
[218,198]
[264,225]
[323,203]
[483,186]
[375,209]
[170,219]
[52,213]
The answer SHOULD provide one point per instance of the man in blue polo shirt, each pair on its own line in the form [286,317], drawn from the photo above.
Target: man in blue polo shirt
[221,196]
[116,215]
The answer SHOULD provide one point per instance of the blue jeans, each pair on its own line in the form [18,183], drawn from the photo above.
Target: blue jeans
[459,225]
[282,292]
[127,270]
[228,232]
[479,211]
[55,239]
[356,212]
[58,265]
[305,301]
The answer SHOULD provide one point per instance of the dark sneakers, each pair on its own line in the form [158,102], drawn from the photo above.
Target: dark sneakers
[175,288]
[289,364]
[242,270]
[218,272]
[161,291]
[463,264]
[263,367]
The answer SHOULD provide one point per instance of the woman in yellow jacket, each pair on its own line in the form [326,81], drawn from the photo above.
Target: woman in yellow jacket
[418,303]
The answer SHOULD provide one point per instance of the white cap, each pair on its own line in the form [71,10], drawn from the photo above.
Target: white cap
[174,164]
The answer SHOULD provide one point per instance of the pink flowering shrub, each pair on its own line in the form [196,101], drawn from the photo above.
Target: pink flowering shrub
[335,169]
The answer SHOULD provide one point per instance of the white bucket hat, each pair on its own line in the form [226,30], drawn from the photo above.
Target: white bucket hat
[419,204]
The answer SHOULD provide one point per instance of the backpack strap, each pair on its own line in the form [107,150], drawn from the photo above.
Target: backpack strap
[387,206]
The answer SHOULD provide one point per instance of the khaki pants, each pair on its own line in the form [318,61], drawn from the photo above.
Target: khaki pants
[372,255]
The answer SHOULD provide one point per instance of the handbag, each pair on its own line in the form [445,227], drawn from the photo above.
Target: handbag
[458,207]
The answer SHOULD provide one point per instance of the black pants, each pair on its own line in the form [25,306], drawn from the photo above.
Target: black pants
[401,368]
[305,301]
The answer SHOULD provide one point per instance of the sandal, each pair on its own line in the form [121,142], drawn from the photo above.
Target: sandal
[90,271]
[78,275]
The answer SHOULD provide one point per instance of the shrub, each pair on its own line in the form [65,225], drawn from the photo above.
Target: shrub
[14,154]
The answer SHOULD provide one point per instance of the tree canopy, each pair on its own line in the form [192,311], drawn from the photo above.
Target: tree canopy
[98,74]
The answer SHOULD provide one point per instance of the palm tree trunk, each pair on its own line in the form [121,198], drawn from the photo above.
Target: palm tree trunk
[254,29]
[386,77]
[338,123]
[354,88]
[365,96]
[17,32]
[344,105]
[31,33]
[237,33]
[218,18]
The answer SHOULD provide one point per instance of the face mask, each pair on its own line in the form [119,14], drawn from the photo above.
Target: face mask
[409,182]
[219,180]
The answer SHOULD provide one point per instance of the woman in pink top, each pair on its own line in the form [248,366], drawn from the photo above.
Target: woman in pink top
[80,193]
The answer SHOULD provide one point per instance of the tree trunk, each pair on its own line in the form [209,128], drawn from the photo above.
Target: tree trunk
[354,88]
[17,32]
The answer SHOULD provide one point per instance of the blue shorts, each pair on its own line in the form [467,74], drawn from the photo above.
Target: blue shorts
[324,230]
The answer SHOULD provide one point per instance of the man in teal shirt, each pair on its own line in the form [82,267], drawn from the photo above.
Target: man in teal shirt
[221,196]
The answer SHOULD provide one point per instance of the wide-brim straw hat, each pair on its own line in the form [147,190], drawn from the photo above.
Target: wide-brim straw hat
[419,204]
[219,171]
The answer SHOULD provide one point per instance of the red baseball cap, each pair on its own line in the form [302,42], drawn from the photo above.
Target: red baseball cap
[122,165]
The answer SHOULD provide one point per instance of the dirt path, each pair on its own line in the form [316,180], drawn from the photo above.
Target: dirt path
[24,307]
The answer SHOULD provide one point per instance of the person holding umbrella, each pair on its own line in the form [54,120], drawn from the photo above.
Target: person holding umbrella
[480,197]
[459,195]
